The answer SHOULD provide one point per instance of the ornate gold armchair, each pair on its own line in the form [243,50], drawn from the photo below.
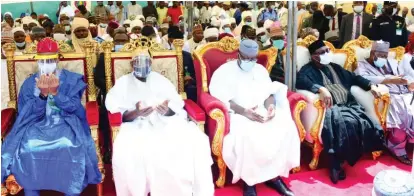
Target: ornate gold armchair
[360,49]
[22,66]
[169,63]
[314,114]
[206,60]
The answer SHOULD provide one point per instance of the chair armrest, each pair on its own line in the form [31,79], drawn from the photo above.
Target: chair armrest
[297,105]
[312,116]
[92,113]
[194,111]
[8,116]
[375,108]
[218,125]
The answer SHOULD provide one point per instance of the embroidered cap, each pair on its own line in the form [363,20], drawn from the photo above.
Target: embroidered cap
[380,46]
[47,48]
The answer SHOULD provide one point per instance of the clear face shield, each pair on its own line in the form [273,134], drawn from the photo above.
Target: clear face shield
[141,65]
[47,66]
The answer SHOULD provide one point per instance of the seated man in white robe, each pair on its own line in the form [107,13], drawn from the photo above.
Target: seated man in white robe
[157,150]
[400,120]
[263,143]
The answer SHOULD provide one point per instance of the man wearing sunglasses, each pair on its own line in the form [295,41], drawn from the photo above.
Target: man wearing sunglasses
[261,123]
[347,131]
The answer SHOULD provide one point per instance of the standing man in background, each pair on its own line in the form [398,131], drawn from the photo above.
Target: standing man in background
[150,10]
[175,12]
[120,12]
[355,24]
[161,11]
[134,9]
[66,9]
[100,10]
[390,27]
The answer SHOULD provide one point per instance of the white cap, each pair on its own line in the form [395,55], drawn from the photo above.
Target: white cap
[211,32]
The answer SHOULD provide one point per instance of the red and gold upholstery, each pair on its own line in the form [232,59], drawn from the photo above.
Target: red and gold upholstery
[314,114]
[166,62]
[206,60]
[20,67]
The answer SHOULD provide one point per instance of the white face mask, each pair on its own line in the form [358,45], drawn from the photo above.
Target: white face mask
[118,47]
[20,45]
[358,9]
[59,36]
[247,65]
[47,68]
[67,28]
[394,11]
[326,58]
[380,62]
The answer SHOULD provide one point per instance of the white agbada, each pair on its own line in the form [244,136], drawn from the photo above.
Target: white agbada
[158,154]
[256,152]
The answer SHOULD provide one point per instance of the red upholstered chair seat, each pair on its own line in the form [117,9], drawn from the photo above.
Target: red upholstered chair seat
[8,116]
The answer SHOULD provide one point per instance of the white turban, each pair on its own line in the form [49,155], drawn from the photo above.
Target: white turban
[246,14]
[232,20]
[26,20]
[136,23]
[267,24]
[17,29]
[139,17]
[8,13]
[260,30]
[211,32]
[127,21]
[46,16]
[215,22]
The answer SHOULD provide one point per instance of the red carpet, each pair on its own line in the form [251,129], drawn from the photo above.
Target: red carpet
[310,183]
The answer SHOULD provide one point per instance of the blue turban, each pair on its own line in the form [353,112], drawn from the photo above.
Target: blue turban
[249,48]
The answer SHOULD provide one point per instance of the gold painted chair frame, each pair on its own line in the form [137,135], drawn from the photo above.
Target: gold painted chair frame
[66,52]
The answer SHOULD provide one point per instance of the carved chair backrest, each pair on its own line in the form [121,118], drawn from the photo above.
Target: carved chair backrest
[211,56]
[340,56]
[20,67]
[360,49]
[169,63]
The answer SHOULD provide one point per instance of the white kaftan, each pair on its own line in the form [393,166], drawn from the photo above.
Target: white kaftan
[256,152]
[158,154]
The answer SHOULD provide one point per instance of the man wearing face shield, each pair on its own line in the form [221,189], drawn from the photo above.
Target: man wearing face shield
[50,145]
[389,26]
[156,147]
[347,131]
[261,125]
[381,70]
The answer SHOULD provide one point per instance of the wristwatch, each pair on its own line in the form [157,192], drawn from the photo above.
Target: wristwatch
[42,97]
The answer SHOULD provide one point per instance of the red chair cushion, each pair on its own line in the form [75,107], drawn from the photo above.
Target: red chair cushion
[115,119]
[8,116]
[92,113]
[214,58]
[194,111]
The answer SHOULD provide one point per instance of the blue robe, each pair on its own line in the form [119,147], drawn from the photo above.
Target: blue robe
[50,145]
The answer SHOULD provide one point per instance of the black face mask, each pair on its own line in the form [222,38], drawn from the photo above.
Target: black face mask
[389,11]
